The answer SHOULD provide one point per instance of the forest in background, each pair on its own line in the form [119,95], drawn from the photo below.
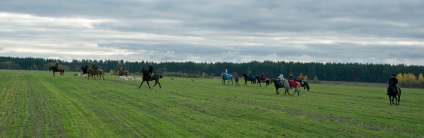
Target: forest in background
[354,72]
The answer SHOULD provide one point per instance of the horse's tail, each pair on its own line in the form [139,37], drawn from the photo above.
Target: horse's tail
[160,76]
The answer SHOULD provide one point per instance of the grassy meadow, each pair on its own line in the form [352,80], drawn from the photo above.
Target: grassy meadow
[37,104]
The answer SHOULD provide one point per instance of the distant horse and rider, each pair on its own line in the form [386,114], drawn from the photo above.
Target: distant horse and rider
[56,68]
[93,72]
[249,78]
[302,82]
[122,72]
[393,91]
[263,79]
[281,82]
[226,77]
[149,76]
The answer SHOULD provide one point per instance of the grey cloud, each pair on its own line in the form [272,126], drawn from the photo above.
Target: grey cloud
[220,23]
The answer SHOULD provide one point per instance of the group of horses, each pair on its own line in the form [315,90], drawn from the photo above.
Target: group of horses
[278,83]
[93,73]
[393,93]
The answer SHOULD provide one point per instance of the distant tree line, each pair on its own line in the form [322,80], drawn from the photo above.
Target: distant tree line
[324,71]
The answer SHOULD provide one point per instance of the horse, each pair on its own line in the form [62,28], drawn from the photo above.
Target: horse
[122,72]
[93,73]
[394,96]
[226,76]
[304,84]
[84,70]
[248,78]
[146,78]
[56,69]
[287,85]
[265,80]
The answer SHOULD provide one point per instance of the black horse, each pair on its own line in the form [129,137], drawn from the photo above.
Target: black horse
[248,78]
[394,95]
[304,84]
[57,69]
[146,78]
[84,69]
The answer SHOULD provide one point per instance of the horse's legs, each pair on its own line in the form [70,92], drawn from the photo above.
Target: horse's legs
[157,82]
[141,84]
[148,84]
[399,93]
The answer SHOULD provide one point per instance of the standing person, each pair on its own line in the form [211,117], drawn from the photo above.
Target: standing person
[393,81]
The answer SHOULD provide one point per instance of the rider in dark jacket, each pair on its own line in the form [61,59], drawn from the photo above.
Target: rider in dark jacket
[393,81]
[150,69]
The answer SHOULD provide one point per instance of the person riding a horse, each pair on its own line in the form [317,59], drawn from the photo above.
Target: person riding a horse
[291,77]
[56,66]
[146,73]
[281,78]
[95,68]
[393,81]
[300,78]
[263,78]
[150,69]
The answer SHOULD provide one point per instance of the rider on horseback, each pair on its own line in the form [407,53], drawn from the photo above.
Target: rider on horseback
[281,78]
[393,81]
[150,71]
[95,68]
[300,78]
[291,77]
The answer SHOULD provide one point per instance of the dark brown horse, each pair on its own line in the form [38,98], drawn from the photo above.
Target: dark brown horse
[93,73]
[122,72]
[57,69]
[394,95]
[146,78]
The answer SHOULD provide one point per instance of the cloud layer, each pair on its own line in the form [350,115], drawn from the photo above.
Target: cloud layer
[360,31]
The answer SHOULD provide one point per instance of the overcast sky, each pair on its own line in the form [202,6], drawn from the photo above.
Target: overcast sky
[346,31]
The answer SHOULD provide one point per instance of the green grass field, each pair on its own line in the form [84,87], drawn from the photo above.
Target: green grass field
[36,104]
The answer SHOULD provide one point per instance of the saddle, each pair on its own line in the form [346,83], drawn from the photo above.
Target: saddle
[393,90]
[293,83]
